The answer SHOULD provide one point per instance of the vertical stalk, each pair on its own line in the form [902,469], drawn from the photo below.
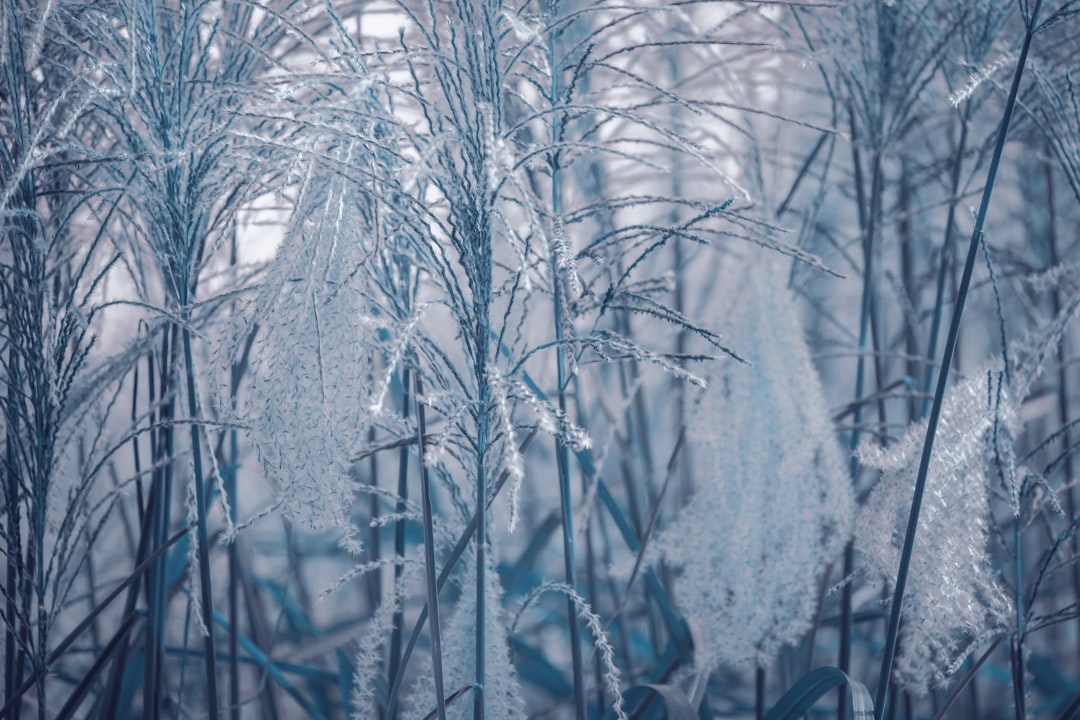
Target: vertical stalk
[943,268]
[759,693]
[107,708]
[484,400]
[233,466]
[561,452]
[865,321]
[234,575]
[430,573]
[161,495]
[399,532]
[234,568]
[943,377]
[12,657]
[203,534]
[906,239]
[1019,690]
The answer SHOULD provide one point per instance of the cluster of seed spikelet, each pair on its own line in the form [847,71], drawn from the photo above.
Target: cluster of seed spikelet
[306,405]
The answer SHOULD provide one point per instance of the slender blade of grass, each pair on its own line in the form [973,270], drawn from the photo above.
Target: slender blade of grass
[892,636]
[430,574]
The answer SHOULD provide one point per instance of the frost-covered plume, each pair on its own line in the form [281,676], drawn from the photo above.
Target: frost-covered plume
[978,78]
[307,401]
[368,662]
[954,598]
[775,507]
[612,676]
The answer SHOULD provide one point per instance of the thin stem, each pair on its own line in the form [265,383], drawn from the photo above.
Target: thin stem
[12,658]
[162,452]
[943,377]
[943,268]
[233,465]
[399,533]
[1018,641]
[203,535]
[562,453]
[759,693]
[234,583]
[430,573]
[865,315]
[481,548]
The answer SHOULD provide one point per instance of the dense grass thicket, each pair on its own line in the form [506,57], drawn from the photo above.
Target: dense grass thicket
[539,358]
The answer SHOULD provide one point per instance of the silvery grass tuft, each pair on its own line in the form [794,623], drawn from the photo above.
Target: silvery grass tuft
[463,249]
[56,389]
[955,599]
[775,508]
[312,374]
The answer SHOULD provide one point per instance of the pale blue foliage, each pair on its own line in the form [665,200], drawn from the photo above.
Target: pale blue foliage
[955,597]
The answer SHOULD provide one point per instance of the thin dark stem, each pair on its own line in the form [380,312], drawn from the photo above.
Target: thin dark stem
[12,661]
[865,313]
[481,548]
[759,693]
[943,268]
[233,465]
[157,592]
[399,533]
[207,597]
[943,377]
[562,452]
[430,573]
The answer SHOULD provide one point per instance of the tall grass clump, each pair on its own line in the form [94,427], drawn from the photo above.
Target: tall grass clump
[460,239]
[178,79]
[58,407]
[538,358]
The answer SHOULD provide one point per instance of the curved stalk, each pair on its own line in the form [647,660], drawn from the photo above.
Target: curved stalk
[561,451]
[203,536]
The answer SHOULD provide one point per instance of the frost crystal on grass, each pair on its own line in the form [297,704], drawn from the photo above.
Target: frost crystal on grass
[954,598]
[775,507]
[978,78]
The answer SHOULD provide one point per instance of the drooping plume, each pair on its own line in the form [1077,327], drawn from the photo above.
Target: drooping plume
[774,505]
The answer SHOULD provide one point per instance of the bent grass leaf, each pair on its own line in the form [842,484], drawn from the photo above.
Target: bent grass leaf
[676,705]
[816,684]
